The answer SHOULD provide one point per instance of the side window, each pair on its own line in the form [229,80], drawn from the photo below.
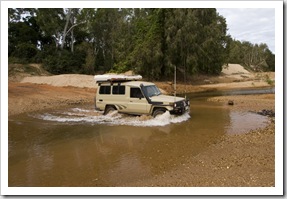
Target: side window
[136,93]
[119,90]
[105,90]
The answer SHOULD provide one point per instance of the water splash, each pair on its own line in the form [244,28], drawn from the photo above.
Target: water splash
[77,115]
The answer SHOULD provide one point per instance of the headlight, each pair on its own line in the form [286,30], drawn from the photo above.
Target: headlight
[172,104]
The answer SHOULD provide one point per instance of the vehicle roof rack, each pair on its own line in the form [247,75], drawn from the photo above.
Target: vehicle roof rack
[116,78]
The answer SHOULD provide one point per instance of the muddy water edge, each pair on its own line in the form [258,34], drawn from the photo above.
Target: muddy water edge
[78,147]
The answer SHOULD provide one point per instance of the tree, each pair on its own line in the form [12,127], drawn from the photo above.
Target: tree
[147,54]
[51,22]
[196,40]
[23,34]
[71,19]
[270,60]
[150,41]
[256,57]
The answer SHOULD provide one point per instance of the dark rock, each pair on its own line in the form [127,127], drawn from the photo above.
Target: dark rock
[230,102]
[265,112]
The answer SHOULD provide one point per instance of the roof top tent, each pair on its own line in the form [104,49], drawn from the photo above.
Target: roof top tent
[116,78]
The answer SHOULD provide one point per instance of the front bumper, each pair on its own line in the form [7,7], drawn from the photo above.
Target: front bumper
[180,107]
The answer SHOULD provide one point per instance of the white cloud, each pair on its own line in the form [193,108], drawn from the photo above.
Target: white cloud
[256,25]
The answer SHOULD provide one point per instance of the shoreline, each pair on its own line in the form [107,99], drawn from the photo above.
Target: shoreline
[28,97]
[238,160]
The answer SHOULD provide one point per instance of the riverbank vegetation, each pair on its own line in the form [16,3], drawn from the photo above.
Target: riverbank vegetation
[151,42]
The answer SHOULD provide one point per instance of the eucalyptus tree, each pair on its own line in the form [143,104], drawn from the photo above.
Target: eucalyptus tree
[109,34]
[235,52]
[152,42]
[255,57]
[58,23]
[270,60]
[103,27]
[211,41]
[72,21]
[23,33]
[196,40]
[180,32]
[20,14]
[123,39]
[51,22]
[146,57]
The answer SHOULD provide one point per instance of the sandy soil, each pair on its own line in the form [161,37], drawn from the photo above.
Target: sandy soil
[244,160]
[237,160]
[233,76]
[28,97]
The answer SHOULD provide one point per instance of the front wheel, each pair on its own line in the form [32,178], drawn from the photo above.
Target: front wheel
[158,112]
[109,109]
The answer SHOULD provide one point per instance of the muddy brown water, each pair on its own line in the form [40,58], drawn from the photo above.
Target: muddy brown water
[78,146]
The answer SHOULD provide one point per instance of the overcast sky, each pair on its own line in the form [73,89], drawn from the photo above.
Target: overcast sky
[256,25]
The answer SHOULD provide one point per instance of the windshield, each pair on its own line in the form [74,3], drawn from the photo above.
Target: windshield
[151,91]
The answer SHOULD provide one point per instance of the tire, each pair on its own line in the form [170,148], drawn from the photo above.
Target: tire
[109,109]
[158,112]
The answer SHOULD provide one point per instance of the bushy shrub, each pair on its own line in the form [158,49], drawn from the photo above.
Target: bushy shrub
[120,67]
[25,52]
[63,62]
[17,60]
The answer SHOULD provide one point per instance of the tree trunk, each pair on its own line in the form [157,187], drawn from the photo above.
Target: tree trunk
[66,26]
[72,41]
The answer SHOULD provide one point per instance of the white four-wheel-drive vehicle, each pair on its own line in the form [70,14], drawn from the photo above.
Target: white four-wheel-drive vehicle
[128,94]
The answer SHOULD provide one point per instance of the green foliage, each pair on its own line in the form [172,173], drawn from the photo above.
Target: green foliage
[64,62]
[270,61]
[22,68]
[120,68]
[196,40]
[253,56]
[17,60]
[22,34]
[269,81]
[25,51]
[146,58]
[87,50]
[152,42]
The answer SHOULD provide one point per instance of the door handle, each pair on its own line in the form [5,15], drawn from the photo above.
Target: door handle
[100,100]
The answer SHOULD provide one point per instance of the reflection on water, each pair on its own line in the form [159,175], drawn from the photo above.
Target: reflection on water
[81,147]
[247,122]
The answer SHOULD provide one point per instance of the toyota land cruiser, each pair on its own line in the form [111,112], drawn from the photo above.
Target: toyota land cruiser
[136,98]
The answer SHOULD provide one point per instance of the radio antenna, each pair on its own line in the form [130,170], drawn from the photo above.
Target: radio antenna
[175,81]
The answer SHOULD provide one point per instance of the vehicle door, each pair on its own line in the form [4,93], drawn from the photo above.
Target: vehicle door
[137,102]
[118,97]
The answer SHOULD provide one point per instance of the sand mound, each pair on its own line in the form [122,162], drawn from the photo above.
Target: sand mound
[233,69]
[75,80]
[63,80]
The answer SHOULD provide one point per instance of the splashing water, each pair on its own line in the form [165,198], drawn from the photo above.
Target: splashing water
[77,115]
